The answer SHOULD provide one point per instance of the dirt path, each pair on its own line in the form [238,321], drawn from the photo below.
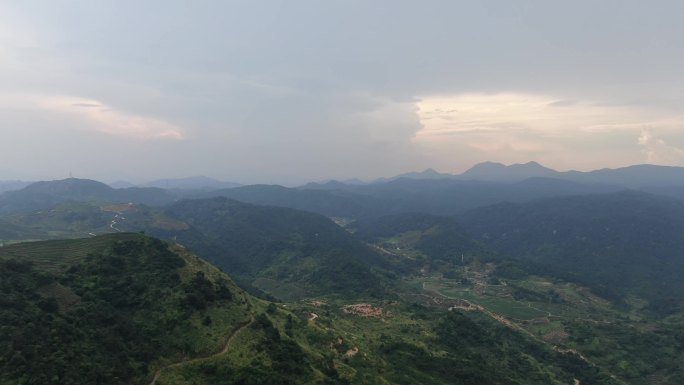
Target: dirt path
[506,322]
[222,352]
[112,225]
[548,313]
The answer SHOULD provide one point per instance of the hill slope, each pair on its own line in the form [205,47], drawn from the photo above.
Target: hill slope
[42,195]
[516,172]
[108,309]
[432,196]
[616,243]
[127,309]
[330,203]
[436,239]
[288,253]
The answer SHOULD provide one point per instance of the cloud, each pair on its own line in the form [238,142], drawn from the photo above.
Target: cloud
[72,113]
[257,95]
[562,103]
[107,120]
[657,151]
[560,132]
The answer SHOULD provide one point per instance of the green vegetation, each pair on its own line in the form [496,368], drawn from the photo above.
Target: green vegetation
[628,343]
[44,195]
[284,252]
[106,309]
[617,244]
[78,220]
[635,338]
[582,289]
[405,195]
[408,344]
[439,239]
[124,308]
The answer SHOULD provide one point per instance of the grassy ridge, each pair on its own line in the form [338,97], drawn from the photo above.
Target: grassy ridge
[129,309]
[133,304]
[407,344]
[618,244]
[287,253]
[53,256]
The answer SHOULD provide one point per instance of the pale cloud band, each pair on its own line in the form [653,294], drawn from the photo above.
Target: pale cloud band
[290,92]
[657,151]
[544,128]
[93,115]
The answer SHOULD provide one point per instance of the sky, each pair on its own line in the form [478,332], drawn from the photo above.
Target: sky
[292,91]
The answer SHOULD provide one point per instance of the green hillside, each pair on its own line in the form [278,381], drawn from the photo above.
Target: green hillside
[43,195]
[80,219]
[619,244]
[284,252]
[389,300]
[129,309]
[401,344]
[108,309]
[287,253]
[329,203]
[435,239]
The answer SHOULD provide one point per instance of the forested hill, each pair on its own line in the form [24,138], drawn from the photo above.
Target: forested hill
[108,309]
[292,252]
[43,195]
[432,196]
[436,237]
[617,243]
[329,203]
[129,309]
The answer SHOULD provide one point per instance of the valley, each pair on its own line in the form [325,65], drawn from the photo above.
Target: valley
[214,290]
[341,192]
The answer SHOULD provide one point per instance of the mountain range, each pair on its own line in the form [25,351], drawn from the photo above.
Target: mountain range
[637,176]
[441,280]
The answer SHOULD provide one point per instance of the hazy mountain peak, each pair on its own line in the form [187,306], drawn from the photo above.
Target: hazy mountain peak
[530,164]
[67,185]
[428,173]
[500,172]
[485,166]
[199,182]
[10,185]
[121,184]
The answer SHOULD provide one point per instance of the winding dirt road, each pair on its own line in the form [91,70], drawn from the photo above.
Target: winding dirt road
[198,359]
[506,322]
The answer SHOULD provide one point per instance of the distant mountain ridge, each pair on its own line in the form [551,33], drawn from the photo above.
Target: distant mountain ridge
[428,173]
[429,191]
[611,242]
[9,185]
[636,176]
[190,183]
[515,172]
[292,251]
[46,194]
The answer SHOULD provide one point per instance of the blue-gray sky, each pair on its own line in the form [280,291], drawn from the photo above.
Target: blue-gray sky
[288,91]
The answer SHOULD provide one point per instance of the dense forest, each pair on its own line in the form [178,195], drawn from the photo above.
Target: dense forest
[105,318]
[618,244]
[551,291]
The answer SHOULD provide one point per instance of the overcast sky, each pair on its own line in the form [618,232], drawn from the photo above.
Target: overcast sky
[289,91]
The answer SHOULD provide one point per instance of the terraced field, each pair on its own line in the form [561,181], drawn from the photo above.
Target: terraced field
[55,256]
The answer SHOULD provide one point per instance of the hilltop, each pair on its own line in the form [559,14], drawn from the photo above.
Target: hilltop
[617,244]
[42,195]
[109,309]
[129,309]
[287,253]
